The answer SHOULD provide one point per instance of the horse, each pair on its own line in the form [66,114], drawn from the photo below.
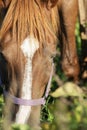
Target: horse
[28,39]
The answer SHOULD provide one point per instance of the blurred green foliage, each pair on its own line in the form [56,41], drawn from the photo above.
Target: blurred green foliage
[78,38]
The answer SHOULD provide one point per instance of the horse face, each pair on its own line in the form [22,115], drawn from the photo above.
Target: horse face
[29,72]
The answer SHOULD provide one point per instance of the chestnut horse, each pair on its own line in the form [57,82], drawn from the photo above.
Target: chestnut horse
[28,39]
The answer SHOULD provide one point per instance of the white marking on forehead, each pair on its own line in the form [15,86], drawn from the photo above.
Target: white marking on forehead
[29,47]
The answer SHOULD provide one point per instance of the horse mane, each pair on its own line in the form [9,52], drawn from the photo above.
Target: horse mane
[38,18]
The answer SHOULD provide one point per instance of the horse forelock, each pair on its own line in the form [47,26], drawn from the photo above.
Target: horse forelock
[30,17]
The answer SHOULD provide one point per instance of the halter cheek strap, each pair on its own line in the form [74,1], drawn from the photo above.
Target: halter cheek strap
[33,102]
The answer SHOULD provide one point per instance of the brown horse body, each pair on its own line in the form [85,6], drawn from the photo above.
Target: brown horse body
[36,21]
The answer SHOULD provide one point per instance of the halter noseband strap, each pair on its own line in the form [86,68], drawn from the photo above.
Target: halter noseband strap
[33,102]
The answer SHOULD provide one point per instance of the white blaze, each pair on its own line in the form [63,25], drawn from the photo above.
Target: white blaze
[29,47]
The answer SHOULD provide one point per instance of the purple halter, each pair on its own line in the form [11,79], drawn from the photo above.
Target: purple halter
[33,102]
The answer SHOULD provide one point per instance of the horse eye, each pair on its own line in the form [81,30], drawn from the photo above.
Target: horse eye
[2,58]
[3,69]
